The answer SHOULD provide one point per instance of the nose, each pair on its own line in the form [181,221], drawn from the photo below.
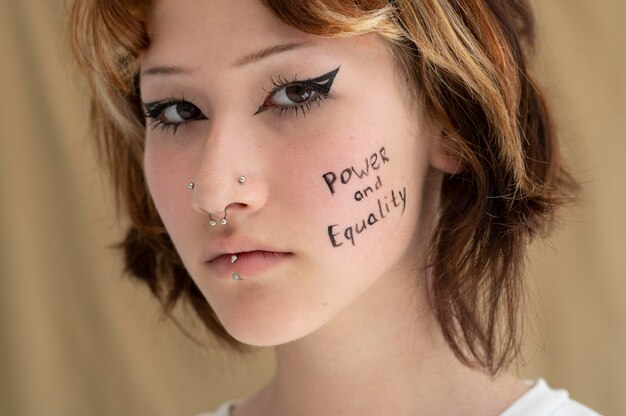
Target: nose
[229,180]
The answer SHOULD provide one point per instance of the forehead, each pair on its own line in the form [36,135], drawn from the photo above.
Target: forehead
[219,30]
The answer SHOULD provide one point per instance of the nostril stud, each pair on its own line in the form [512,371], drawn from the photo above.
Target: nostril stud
[242,179]
[190,185]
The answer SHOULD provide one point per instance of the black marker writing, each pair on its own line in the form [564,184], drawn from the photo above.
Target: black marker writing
[398,198]
[360,195]
[344,177]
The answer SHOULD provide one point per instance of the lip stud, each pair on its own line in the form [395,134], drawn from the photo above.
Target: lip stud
[236,276]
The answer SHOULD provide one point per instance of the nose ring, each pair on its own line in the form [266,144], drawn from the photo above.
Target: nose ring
[222,221]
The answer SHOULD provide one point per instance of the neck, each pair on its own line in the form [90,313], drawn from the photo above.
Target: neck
[383,354]
[380,356]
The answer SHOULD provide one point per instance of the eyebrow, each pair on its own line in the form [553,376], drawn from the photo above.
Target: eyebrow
[250,58]
[264,53]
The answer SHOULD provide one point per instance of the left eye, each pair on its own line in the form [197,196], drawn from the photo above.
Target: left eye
[297,95]
[292,94]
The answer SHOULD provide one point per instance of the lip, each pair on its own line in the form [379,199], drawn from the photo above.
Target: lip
[248,264]
[253,256]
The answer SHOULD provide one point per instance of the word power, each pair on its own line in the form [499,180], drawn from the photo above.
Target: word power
[375,161]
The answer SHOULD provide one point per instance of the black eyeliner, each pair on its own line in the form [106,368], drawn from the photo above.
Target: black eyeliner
[322,84]
[325,81]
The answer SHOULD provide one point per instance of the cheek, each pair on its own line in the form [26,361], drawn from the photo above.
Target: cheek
[167,181]
[358,194]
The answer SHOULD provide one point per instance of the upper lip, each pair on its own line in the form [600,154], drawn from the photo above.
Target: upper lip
[221,246]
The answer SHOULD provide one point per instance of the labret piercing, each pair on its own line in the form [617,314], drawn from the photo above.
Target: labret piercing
[235,275]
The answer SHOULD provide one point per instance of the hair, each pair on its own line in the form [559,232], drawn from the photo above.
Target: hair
[467,59]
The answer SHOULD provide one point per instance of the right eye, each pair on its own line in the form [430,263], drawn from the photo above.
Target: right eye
[172,113]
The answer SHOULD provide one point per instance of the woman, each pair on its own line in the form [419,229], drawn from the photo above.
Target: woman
[353,183]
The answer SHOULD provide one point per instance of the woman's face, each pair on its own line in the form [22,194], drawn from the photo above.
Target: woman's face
[335,164]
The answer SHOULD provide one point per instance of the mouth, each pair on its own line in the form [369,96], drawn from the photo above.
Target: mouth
[247,264]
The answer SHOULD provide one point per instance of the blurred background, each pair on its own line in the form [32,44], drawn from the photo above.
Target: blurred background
[78,338]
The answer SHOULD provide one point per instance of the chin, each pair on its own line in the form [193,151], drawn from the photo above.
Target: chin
[276,327]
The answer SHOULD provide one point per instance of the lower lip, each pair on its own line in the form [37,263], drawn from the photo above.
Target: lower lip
[248,264]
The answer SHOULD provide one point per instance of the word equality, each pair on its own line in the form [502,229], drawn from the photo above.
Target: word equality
[384,206]
[346,175]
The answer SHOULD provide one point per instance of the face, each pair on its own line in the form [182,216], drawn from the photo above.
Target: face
[336,164]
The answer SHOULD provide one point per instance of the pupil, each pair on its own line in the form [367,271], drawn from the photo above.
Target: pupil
[298,93]
[187,110]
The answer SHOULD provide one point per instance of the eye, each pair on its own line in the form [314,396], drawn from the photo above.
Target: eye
[179,112]
[297,95]
[293,94]
[172,113]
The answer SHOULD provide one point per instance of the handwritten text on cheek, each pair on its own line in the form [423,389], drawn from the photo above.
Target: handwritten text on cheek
[384,204]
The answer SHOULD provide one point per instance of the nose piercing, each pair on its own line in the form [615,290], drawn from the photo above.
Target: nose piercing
[191,185]
[222,221]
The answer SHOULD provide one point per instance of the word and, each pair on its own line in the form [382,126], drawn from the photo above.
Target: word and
[360,195]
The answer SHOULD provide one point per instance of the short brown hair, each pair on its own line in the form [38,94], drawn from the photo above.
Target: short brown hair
[468,60]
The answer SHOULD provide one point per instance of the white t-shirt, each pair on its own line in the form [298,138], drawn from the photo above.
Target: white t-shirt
[540,400]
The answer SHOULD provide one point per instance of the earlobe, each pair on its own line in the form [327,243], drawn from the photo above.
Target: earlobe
[445,155]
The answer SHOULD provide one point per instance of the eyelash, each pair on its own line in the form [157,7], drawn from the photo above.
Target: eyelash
[281,82]
[154,111]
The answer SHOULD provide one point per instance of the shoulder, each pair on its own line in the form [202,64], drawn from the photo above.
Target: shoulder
[542,400]
[222,410]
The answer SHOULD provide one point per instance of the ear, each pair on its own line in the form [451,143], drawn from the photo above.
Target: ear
[445,156]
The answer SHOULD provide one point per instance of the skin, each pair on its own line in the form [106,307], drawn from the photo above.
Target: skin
[351,326]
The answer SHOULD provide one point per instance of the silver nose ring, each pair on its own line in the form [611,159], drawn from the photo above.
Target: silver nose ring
[222,221]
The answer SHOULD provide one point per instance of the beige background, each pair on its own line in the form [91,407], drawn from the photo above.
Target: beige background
[76,338]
